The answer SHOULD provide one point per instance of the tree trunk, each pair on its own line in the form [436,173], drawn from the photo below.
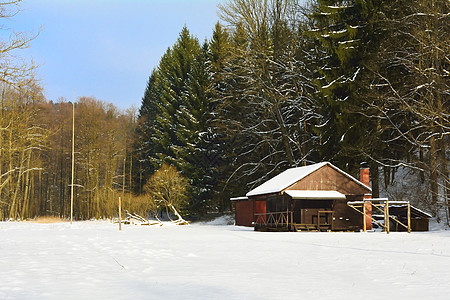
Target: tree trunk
[13,208]
[180,220]
[433,173]
[422,163]
[375,180]
[26,198]
[445,175]
[387,174]
[284,137]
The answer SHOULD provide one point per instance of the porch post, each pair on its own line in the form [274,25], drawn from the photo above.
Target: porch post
[409,217]
[386,216]
[364,217]
[287,217]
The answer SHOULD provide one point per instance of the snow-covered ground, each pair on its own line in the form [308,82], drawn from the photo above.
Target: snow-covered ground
[93,260]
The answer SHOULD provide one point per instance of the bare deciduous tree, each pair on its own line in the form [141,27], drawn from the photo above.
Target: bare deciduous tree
[412,84]
[14,70]
[268,106]
[168,188]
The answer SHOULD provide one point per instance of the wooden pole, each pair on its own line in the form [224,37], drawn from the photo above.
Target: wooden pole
[364,217]
[120,214]
[386,216]
[123,181]
[409,217]
[130,187]
[73,160]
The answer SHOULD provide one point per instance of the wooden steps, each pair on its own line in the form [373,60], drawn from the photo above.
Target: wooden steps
[311,227]
[305,227]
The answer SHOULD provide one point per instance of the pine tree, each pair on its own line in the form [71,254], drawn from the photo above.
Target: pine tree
[219,141]
[219,53]
[143,143]
[180,101]
[348,33]
[194,134]
[174,70]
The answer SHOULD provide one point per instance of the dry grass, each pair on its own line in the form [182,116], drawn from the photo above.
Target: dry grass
[49,219]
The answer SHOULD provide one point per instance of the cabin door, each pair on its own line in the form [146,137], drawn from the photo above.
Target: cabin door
[309,215]
[296,212]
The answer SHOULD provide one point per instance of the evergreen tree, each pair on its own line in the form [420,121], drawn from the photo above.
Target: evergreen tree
[178,123]
[174,69]
[220,143]
[144,144]
[219,53]
[194,134]
[347,32]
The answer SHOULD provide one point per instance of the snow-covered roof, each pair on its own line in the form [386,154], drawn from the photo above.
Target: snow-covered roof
[284,180]
[319,195]
[414,210]
[238,198]
[291,176]
[423,212]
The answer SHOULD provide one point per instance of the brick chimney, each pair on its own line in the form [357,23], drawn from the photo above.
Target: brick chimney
[364,177]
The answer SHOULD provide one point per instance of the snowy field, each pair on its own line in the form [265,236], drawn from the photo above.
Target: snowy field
[93,260]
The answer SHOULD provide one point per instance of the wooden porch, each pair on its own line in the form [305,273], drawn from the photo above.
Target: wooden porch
[284,221]
[275,221]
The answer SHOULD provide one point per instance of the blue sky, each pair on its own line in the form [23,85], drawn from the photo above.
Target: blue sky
[106,49]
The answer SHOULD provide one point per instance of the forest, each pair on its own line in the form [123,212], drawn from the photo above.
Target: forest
[280,84]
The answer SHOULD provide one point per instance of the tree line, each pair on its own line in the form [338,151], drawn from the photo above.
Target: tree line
[281,83]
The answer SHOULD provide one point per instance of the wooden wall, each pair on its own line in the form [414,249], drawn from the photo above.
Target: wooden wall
[328,179]
[419,224]
[346,218]
[245,212]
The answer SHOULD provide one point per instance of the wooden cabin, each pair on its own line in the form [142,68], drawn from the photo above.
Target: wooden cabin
[312,197]
[322,197]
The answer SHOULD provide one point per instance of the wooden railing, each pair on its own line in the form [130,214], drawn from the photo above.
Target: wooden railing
[275,220]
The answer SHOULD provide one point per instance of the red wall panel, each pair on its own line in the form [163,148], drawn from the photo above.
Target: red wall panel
[245,212]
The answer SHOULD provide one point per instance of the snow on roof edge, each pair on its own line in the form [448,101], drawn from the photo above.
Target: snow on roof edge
[315,194]
[414,208]
[238,198]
